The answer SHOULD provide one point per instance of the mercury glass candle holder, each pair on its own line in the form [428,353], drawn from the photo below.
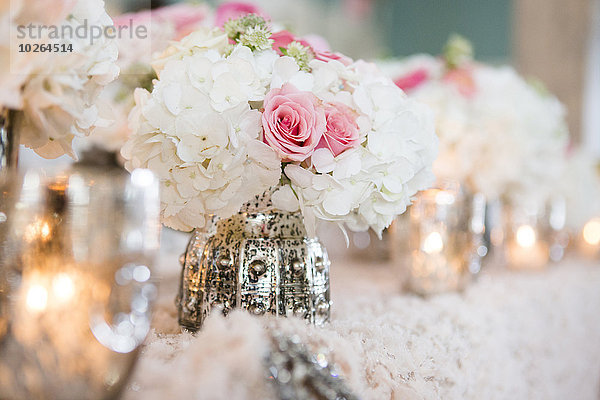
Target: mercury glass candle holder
[443,239]
[527,245]
[76,285]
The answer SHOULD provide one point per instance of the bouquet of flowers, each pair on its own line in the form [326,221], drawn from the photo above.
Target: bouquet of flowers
[499,134]
[54,92]
[239,110]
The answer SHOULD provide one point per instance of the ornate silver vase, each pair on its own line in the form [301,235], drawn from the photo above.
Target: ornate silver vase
[261,260]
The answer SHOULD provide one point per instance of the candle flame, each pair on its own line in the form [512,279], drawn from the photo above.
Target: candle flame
[45,230]
[37,298]
[433,243]
[591,232]
[526,236]
[38,230]
[63,287]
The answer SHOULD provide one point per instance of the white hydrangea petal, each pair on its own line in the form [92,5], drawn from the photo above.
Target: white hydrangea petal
[284,199]
[323,160]
[298,175]
[337,202]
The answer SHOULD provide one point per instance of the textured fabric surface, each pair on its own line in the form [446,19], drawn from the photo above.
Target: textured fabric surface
[510,335]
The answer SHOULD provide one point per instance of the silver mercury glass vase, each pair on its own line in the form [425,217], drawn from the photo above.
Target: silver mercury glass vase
[261,260]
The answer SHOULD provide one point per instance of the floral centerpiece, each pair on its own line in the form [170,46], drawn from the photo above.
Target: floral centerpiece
[241,109]
[53,93]
[499,134]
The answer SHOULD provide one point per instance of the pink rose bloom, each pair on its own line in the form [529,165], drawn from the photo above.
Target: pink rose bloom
[318,43]
[235,9]
[341,131]
[184,18]
[462,78]
[328,56]
[412,80]
[284,38]
[293,122]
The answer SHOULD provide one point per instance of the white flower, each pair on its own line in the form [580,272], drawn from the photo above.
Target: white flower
[286,70]
[58,90]
[503,139]
[198,41]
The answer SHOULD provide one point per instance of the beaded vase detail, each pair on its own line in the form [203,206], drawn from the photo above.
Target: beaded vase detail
[261,260]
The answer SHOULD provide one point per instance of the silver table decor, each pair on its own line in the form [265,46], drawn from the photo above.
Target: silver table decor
[261,260]
[76,285]
[297,374]
[440,241]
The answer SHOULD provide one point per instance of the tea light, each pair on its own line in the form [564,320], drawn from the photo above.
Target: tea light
[433,270]
[589,239]
[433,243]
[526,250]
[443,240]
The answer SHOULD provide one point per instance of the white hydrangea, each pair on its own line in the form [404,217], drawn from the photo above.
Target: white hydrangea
[57,91]
[503,139]
[197,132]
[199,41]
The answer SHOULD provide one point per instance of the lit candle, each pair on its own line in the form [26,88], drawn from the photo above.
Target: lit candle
[589,240]
[526,250]
[441,240]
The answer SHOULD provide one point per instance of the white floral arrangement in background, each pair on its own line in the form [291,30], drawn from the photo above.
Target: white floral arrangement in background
[499,134]
[54,93]
[239,110]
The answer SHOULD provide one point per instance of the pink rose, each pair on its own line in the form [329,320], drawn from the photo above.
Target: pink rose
[317,42]
[236,9]
[293,122]
[341,132]
[329,56]
[320,47]
[183,17]
[412,80]
[284,38]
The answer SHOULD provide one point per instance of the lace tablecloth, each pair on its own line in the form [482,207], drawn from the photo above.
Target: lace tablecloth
[508,336]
